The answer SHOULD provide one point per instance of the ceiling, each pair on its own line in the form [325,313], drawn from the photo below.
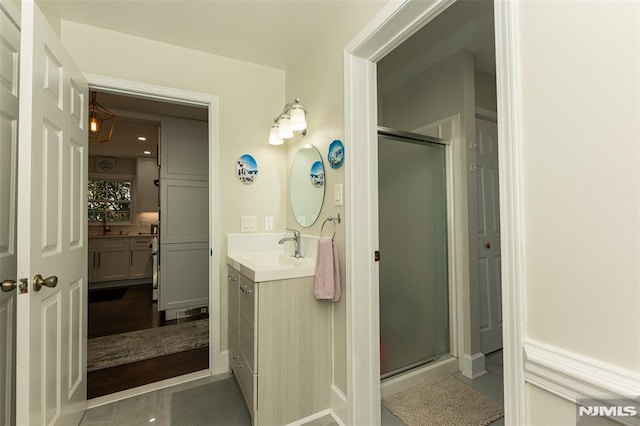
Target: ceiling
[267,32]
[138,117]
[467,24]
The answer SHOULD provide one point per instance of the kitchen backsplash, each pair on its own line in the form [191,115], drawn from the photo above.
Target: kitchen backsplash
[143,226]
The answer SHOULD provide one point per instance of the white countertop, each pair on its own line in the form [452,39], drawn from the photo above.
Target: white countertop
[273,266]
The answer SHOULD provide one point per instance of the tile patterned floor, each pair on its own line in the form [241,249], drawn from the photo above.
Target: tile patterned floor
[154,408]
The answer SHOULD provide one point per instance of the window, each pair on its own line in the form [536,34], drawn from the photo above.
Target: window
[110,199]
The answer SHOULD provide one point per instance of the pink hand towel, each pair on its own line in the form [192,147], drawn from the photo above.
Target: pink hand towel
[326,284]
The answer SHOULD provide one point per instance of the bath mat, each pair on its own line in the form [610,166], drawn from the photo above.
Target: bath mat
[218,403]
[107,294]
[443,400]
[124,348]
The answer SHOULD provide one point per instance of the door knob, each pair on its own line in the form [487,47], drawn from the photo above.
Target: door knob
[8,285]
[38,282]
[487,246]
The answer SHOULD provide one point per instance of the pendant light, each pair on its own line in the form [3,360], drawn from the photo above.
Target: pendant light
[101,122]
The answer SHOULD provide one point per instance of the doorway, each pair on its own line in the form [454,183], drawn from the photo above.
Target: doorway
[364,54]
[147,108]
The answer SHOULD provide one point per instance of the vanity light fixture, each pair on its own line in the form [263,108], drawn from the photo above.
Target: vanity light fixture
[101,121]
[293,118]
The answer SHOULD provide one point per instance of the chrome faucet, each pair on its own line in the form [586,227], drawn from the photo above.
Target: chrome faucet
[295,239]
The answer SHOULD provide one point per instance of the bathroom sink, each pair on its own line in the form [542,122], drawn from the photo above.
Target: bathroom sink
[272,266]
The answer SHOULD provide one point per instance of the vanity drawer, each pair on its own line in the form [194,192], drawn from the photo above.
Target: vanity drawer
[246,380]
[246,320]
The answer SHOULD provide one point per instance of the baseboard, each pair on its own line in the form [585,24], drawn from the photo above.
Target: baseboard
[572,376]
[220,362]
[338,406]
[314,416]
[411,378]
[473,366]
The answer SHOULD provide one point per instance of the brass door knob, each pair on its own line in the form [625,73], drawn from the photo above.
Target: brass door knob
[8,285]
[39,282]
[487,246]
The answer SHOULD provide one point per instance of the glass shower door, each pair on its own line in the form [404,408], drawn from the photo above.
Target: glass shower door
[414,301]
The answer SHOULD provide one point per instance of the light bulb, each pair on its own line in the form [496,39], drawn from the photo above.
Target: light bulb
[298,118]
[284,127]
[93,123]
[274,136]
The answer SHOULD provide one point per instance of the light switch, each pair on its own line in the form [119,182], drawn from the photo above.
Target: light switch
[337,194]
[268,223]
[248,223]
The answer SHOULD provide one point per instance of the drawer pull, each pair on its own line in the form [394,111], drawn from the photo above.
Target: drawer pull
[246,289]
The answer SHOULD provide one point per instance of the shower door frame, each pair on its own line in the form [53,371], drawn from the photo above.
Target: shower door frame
[419,139]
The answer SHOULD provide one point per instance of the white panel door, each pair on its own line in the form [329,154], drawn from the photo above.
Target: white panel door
[488,242]
[52,241]
[9,66]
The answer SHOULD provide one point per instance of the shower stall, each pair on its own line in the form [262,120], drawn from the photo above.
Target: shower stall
[414,296]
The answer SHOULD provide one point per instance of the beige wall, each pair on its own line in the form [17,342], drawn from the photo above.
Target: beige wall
[485,85]
[317,78]
[249,95]
[581,183]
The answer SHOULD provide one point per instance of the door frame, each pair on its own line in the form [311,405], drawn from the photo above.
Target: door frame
[218,362]
[396,22]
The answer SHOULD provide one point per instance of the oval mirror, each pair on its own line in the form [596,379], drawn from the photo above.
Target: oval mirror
[306,185]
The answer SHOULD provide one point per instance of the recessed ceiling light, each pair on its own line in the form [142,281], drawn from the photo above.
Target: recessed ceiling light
[142,138]
[147,152]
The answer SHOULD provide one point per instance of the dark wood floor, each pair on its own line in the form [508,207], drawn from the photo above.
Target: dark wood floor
[134,311]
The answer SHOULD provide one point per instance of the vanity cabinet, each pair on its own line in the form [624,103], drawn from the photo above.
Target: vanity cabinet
[279,347]
[108,259]
[140,257]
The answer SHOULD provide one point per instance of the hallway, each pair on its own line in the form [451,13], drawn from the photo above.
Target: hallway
[126,309]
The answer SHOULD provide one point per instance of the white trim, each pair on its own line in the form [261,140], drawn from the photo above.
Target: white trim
[396,22]
[218,361]
[473,366]
[312,417]
[338,405]
[486,114]
[511,209]
[571,375]
[362,293]
[12,11]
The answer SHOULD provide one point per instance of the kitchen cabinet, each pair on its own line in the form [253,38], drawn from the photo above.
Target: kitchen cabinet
[279,347]
[141,260]
[147,191]
[108,259]
[185,250]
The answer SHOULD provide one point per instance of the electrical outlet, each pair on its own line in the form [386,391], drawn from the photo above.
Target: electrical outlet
[248,223]
[268,223]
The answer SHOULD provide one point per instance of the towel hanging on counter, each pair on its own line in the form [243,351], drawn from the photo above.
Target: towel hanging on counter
[326,285]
